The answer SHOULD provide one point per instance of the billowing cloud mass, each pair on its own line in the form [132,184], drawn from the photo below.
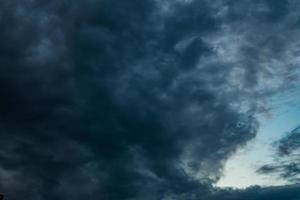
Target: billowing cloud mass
[137,99]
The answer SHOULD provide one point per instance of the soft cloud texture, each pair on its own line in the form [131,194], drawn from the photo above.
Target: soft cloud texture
[137,99]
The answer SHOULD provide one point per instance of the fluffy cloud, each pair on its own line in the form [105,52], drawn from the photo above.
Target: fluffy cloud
[136,99]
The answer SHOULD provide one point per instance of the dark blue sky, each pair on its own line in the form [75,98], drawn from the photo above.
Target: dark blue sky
[143,99]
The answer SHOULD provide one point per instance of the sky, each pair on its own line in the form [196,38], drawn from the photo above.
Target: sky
[150,99]
[285,113]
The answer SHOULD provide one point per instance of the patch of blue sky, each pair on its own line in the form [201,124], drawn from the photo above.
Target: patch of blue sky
[284,116]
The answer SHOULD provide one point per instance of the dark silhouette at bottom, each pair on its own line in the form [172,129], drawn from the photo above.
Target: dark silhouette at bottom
[1,196]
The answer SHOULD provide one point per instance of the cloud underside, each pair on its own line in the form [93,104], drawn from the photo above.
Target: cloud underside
[137,100]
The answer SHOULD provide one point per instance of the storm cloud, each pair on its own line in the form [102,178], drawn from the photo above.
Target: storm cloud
[136,99]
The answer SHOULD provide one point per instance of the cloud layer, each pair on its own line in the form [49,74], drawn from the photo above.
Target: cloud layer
[137,99]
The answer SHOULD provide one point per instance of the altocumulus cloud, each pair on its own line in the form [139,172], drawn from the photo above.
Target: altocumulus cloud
[138,100]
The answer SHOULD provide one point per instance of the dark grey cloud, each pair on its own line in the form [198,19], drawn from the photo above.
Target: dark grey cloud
[136,99]
[259,193]
[290,143]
